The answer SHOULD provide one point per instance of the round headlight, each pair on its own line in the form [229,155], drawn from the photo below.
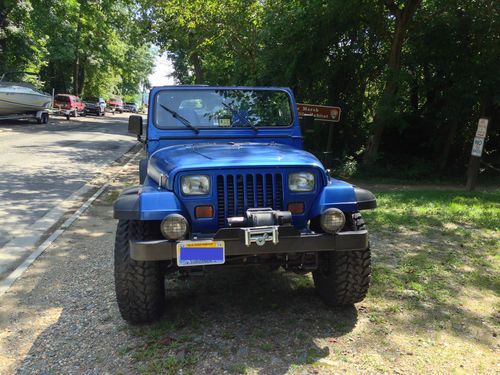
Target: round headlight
[332,220]
[174,227]
[302,181]
[195,185]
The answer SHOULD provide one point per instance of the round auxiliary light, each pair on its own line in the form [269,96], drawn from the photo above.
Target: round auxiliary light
[332,220]
[174,227]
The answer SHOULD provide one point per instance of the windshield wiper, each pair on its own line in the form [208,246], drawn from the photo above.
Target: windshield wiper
[181,119]
[245,120]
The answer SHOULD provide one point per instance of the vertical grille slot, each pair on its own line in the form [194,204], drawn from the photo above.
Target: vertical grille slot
[250,191]
[220,201]
[230,195]
[236,193]
[240,195]
[260,191]
[269,190]
[279,191]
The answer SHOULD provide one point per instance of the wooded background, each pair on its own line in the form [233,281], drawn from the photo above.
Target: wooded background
[412,77]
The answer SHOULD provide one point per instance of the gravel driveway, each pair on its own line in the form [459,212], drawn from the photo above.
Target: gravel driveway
[61,315]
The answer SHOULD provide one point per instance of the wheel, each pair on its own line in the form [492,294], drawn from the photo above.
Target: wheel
[103,113]
[139,286]
[343,277]
[44,118]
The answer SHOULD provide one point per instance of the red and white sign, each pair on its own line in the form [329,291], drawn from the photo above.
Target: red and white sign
[319,112]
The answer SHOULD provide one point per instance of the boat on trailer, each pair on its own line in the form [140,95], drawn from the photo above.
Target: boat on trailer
[23,100]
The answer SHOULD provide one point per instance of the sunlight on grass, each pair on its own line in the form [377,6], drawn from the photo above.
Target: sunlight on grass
[436,208]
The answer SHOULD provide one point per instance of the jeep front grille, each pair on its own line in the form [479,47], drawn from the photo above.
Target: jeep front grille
[238,192]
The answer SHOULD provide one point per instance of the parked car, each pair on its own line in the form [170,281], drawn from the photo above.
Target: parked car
[131,107]
[95,106]
[249,195]
[115,105]
[69,105]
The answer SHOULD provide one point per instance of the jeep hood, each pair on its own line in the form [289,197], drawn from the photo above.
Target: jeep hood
[173,159]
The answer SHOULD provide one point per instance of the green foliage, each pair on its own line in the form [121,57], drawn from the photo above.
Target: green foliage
[337,53]
[91,48]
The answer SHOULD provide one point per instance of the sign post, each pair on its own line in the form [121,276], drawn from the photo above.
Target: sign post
[309,113]
[477,151]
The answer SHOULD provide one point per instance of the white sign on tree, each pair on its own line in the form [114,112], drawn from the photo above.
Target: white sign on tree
[478,144]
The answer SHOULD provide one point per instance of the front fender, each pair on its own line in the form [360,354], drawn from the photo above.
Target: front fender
[344,196]
[145,203]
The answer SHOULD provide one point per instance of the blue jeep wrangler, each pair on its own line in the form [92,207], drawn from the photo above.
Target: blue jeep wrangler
[227,183]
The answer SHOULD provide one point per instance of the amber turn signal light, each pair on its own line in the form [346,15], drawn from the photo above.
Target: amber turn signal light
[296,208]
[204,212]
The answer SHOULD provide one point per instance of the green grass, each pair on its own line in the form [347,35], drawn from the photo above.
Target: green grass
[420,209]
[447,248]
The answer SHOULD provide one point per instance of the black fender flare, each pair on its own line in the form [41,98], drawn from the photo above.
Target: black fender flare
[143,170]
[365,199]
[126,207]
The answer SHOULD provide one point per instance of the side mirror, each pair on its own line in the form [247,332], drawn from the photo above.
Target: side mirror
[135,126]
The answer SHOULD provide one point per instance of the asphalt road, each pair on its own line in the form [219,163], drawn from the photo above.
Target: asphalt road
[42,165]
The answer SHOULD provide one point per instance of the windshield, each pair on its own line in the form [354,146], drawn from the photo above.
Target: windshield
[228,108]
[62,98]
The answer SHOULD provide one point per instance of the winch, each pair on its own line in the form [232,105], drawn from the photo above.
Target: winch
[258,217]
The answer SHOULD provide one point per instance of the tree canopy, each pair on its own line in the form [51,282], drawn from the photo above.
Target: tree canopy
[411,76]
[85,47]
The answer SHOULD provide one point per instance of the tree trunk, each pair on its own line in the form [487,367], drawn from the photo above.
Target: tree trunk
[195,60]
[450,137]
[76,63]
[402,18]
[82,78]
[198,69]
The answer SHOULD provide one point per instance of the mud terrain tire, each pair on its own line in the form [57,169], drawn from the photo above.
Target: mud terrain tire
[343,277]
[139,286]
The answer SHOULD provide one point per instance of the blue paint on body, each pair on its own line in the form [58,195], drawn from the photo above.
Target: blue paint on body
[221,153]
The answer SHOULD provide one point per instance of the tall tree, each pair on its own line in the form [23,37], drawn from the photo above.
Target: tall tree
[402,15]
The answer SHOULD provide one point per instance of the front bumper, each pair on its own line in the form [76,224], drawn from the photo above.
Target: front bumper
[289,241]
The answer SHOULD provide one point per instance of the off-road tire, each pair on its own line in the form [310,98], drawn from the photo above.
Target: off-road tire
[343,277]
[139,286]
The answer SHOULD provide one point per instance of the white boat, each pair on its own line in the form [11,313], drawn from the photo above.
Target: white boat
[18,98]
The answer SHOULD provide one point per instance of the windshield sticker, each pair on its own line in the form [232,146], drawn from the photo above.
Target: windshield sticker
[224,121]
